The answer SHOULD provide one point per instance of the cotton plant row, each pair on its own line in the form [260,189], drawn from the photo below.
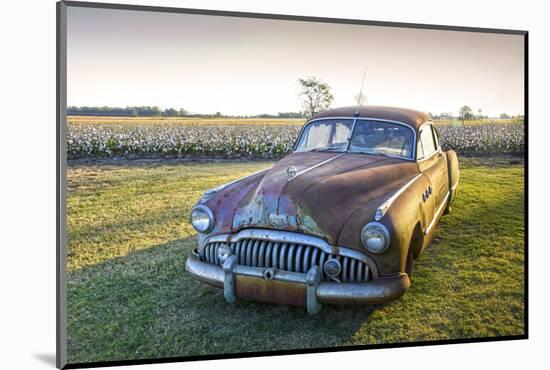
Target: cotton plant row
[251,141]
[484,139]
[215,141]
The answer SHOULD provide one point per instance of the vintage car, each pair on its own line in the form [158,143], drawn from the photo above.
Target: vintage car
[338,221]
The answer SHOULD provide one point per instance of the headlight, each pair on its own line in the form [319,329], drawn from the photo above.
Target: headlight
[202,219]
[375,237]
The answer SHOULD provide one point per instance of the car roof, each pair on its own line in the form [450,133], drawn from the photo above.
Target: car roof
[409,116]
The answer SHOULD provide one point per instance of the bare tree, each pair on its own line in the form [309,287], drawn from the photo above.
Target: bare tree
[465,112]
[315,95]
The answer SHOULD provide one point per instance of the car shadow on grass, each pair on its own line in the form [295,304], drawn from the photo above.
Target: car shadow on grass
[145,305]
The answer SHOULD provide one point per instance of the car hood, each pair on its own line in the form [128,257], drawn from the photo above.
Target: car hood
[325,191]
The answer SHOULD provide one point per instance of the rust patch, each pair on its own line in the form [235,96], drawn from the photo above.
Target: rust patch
[260,290]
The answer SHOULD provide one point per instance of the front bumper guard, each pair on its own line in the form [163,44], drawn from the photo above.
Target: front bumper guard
[380,290]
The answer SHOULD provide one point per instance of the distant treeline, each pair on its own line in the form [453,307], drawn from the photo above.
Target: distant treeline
[469,115]
[154,111]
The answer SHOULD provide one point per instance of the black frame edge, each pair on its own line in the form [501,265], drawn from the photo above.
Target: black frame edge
[61,179]
[226,13]
[290,352]
[526,186]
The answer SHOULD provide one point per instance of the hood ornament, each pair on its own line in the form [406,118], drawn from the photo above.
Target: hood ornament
[291,172]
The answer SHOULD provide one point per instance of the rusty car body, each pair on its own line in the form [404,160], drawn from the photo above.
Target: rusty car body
[338,221]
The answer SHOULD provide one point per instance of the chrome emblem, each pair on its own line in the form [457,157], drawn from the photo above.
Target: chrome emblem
[291,172]
[278,220]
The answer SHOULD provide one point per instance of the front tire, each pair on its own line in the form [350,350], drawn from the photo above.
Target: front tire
[409,263]
[448,209]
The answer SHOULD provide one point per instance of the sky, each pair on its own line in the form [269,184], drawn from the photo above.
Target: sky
[244,66]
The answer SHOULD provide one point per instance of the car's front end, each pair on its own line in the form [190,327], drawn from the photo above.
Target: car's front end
[291,268]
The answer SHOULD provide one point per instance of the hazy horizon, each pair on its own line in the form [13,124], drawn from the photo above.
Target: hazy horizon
[244,66]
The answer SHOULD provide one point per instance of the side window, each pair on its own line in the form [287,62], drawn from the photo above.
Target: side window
[426,142]
[419,150]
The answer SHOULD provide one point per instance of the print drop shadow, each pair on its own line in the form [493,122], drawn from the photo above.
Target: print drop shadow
[146,300]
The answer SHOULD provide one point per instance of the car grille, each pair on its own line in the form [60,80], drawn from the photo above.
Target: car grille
[287,256]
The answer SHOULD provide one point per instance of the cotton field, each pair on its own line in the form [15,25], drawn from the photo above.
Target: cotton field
[93,140]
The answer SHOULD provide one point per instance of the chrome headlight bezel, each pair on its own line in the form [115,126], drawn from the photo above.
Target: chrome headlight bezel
[209,214]
[379,228]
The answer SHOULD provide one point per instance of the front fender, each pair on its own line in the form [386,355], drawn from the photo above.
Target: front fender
[401,219]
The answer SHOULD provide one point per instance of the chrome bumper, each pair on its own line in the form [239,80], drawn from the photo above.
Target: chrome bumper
[317,293]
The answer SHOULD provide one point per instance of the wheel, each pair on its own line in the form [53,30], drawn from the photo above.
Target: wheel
[415,248]
[409,263]
[448,209]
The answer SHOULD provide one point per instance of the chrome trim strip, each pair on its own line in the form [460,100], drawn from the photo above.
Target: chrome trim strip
[383,208]
[315,166]
[287,237]
[443,203]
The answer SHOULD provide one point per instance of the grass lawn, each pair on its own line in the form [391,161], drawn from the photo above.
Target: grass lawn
[129,296]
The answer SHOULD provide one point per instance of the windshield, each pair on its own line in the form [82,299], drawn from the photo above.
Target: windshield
[328,134]
[375,137]
[368,136]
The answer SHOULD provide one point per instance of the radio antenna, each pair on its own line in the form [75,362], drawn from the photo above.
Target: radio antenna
[360,96]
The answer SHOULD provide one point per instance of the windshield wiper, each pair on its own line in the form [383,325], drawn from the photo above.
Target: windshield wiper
[325,150]
[373,153]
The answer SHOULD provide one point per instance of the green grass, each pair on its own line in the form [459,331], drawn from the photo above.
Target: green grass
[129,296]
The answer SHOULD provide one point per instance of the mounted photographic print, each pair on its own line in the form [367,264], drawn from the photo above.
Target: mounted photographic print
[236,184]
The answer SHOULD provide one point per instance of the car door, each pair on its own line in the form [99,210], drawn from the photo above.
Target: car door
[433,164]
